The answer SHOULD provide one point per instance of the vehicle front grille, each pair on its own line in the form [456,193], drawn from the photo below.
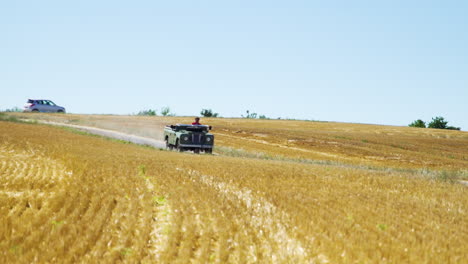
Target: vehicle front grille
[198,138]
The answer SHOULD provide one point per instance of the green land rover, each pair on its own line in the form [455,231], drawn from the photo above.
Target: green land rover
[189,137]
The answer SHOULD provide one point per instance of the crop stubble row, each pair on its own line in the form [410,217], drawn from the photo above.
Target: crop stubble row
[113,202]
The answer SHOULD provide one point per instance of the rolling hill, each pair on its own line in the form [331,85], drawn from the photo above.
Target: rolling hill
[275,192]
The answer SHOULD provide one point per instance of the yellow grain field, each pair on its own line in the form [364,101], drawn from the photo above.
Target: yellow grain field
[358,144]
[67,198]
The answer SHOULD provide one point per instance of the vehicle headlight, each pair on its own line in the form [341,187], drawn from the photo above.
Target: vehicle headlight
[185,138]
[208,139]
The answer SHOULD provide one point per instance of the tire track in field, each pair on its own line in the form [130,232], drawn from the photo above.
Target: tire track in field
[162,218]
[264,216]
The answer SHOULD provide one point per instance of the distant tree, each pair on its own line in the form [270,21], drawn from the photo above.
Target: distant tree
[438,122]
[249,115]
[166,111]
[263,117]
[14,109]
[148,112]
[418,123]
[208,113]
[453,128]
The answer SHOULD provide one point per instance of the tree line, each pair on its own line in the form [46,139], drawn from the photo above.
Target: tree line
[166,111]
[437,122]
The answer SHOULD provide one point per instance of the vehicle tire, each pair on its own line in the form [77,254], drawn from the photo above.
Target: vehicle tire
[196,151]
[178,147]
[60,112]
[208,151]
[35,110]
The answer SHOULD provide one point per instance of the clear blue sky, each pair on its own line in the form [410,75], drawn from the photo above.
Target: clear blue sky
[383,62]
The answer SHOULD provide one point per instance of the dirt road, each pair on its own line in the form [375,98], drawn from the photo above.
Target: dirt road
[113,134]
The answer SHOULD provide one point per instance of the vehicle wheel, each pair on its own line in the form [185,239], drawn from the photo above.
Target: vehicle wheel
[208,151]
[178,147]
[196,151]
[60,111]
[167,144]
[35,110]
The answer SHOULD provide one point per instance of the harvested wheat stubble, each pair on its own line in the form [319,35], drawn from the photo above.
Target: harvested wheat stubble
[71,198]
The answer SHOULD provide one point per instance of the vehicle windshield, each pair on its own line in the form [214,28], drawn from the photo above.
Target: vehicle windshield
[192,128]
[196,128]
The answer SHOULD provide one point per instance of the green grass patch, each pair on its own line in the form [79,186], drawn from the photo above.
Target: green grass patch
[343,137]
[451,176]
[8,118]
[159,200]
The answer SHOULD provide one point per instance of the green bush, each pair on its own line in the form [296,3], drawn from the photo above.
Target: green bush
[148,112]
[250,115]
[418,123]
[437,122]
[166,111]
[14,109]
[453,128]
[208,113]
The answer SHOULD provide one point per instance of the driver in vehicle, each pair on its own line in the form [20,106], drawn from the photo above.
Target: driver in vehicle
[197,121]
